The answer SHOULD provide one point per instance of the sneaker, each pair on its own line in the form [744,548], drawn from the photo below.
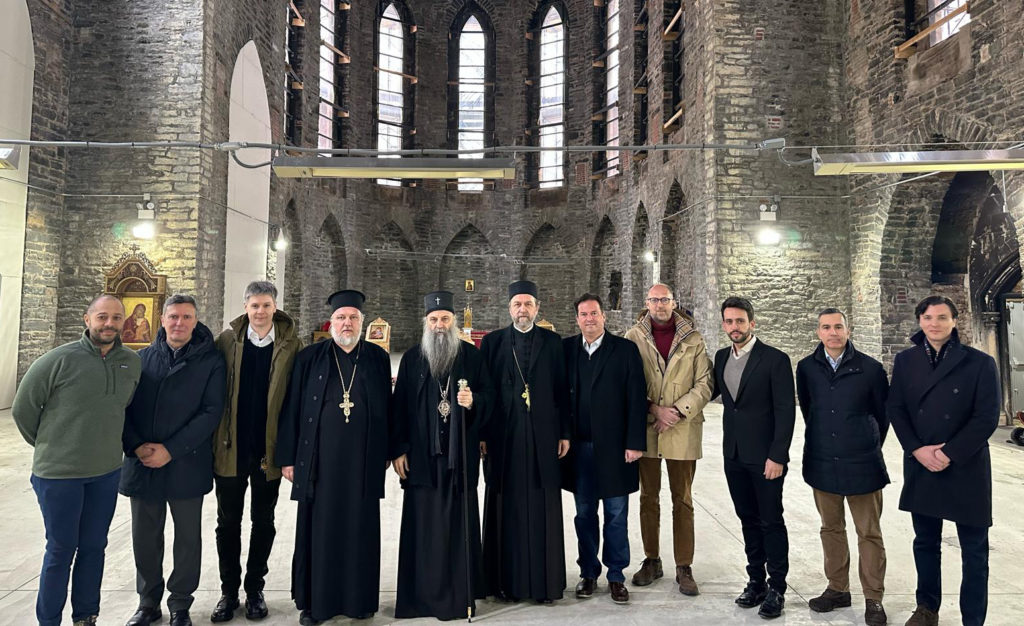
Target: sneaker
[87,621]
[649,572]
[829,600]
[773,604]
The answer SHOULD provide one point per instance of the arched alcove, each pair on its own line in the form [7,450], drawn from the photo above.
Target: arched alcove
[248,198]
[17,67]
[548,265]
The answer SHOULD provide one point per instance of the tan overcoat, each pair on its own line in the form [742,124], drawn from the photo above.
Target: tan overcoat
[685,382]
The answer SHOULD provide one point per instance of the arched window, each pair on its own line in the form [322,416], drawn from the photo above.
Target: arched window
[611,87]
[551,112]
[471,86]
[672,66]
[331,58]
[293,73]
[472,71]
[391,89]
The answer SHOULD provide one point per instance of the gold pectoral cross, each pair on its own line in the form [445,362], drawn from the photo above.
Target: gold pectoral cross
[346,406]
[526,396]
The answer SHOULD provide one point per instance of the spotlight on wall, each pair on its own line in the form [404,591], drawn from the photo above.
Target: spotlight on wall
[144,229]
[280,243]
[768,237]
[9,156]
[649,256]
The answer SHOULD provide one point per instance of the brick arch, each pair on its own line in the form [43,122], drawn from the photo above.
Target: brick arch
[673,244]
[640,270]
[389,279]
[470,255]
[602,255]
[326,271]
[547,263]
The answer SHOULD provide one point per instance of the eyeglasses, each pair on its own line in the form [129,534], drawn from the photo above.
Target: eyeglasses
[659,300]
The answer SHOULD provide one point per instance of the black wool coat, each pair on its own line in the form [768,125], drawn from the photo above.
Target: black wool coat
[180,407]
[298,426]
[757,424]
[410,425]
[846,423]
[618,413]
[956,404]
[549,400]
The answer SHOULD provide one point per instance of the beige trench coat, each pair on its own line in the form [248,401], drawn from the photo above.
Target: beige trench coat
[685,382]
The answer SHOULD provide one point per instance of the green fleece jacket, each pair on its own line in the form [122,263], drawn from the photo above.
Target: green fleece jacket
[70,408]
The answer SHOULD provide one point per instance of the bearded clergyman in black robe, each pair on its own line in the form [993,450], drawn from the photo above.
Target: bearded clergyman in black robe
[430,455]
[333,446]
[529,430]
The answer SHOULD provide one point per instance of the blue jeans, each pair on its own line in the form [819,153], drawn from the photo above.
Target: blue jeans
[76,515]
[974,564]
[616,510]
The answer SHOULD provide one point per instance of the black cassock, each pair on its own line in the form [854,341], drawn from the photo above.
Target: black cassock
[336,564]
[523,536]
[432,552]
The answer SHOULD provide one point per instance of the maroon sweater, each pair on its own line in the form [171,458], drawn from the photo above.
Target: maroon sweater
[663,336]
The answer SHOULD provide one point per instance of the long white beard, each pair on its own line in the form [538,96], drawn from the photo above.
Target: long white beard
[440,349]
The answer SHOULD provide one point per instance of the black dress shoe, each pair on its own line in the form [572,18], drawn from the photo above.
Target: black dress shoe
[255,606]
[365,616]
[620,595]
[772,605]
[225,609]
[306,618]
[144,616]
[585,588]
[180,618]
[752,595]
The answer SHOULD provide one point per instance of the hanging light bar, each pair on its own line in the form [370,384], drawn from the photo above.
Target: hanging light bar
[371,167]
[916,162]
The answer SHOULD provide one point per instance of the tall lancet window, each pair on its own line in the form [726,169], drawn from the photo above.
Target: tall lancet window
[611,99]
[390,86]
[551,117]
[471,111]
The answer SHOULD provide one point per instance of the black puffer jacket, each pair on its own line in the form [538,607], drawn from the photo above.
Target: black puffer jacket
[179,406]
[846,422]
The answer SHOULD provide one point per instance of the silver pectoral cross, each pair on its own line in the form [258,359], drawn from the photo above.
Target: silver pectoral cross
[346,406]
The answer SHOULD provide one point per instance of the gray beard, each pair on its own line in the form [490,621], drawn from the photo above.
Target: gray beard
[440,349]
[524,325]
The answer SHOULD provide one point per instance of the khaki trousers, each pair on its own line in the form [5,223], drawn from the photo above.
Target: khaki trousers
[866,510]
[680,480]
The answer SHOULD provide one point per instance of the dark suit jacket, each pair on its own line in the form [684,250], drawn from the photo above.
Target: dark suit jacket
[410,424]
[618,412]
[957,403]
[549,400]
[299,421]
[758,423]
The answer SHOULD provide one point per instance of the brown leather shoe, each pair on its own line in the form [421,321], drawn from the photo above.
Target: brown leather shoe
[649,572]
[829,600]
[585,588]
[923,616]
[620,595]
[687,585]
[874,614]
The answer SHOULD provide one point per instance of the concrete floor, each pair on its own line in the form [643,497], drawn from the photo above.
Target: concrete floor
[718,568]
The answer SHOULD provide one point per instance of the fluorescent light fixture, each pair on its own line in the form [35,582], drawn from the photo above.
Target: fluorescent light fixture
[916,162]
[9,156]
[768,237]
[409,167]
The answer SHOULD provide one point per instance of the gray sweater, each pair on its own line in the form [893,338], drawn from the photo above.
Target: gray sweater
[70,408]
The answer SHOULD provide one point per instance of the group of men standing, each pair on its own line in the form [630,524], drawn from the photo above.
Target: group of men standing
[594,414]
